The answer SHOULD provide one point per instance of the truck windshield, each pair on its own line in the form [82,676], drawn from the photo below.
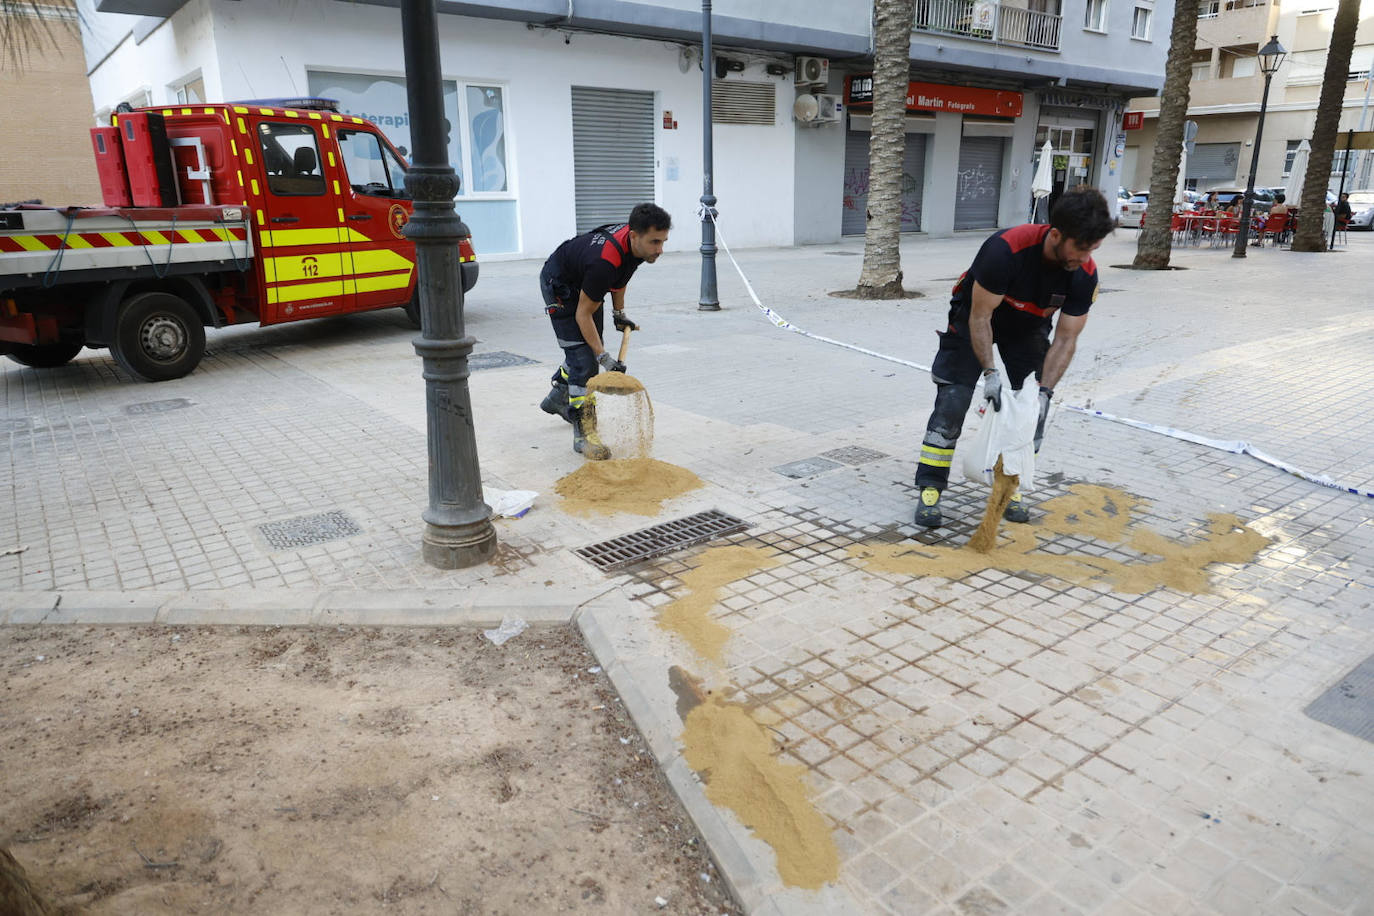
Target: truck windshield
[371,167]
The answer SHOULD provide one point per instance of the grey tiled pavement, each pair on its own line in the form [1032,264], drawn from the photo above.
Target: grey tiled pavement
[1004,742]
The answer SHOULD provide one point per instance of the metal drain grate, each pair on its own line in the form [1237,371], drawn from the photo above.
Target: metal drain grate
[660,539]
[134,410]
[308,529]
[1349,705]
[853,454]
[497,359]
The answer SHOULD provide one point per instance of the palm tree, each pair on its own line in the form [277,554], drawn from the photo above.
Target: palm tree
[27,26]
[1153,246]
[881,276]
[1309,236]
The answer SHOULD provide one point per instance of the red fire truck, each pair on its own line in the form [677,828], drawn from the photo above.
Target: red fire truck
[265,212]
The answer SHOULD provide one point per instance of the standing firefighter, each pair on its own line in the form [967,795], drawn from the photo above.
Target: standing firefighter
[574,282]
[1019,279]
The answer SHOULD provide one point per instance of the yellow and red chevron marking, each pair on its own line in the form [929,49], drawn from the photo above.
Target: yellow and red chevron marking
[124,239]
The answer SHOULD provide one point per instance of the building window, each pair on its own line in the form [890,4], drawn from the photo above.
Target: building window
[1288,157]
[1339,160]
[1095,15]
[1202,70]
[1140,23]
[191,92]
[1209,9]
[1244,66]
[1245,4]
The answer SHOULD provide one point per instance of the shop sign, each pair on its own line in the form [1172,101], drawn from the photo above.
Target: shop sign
[1133,120]
[936,97]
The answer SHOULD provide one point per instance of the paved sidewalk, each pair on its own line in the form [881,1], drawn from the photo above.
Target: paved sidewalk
[1005,740]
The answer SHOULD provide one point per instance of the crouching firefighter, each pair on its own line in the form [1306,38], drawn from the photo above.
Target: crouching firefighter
[1020,278]
[574,283]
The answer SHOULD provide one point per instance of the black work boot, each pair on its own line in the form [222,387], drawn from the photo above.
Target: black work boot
[585,440]
[1016,509]
[928,512]
[556,402]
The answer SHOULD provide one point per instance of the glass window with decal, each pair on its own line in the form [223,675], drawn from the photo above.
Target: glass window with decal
[291,158]
[372,168]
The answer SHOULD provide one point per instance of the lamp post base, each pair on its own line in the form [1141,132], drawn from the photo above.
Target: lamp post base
[458,546]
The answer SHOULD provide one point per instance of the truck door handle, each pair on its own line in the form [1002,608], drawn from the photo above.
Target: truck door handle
[286,219]
[360,216]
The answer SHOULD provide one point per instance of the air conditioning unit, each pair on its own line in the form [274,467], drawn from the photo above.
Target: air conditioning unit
[813,71]
[816,109]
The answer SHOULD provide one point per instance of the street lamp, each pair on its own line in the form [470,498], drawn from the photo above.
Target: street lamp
[710,300]
[458,530]
[1270,57]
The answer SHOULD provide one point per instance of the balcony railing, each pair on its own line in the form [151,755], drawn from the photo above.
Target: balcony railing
[987,20]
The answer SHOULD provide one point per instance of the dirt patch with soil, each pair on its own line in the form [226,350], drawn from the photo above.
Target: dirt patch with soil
[162,770]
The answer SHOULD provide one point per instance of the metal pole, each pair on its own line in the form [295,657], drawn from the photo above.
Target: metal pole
[710,299]
[1364,112]
[1243,233]
[458,531]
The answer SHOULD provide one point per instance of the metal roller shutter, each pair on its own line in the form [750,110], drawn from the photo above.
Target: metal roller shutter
[853,219]
[979,193]
[613,153]
[1214,161]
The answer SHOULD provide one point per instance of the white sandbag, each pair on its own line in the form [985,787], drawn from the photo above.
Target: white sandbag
[1009,433]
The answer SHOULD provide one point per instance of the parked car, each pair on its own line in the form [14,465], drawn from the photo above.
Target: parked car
[1330,197]
[1362,209]
[1133,210]
[1264,198]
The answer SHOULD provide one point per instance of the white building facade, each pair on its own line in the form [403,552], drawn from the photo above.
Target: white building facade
[564,111]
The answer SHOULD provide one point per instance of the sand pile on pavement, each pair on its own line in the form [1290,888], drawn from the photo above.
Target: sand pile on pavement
[1004,485]
[639,486]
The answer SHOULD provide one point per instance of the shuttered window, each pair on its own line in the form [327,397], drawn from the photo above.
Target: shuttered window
[1214,161]
[613,153]
[979,192]
[738,102]
[854,216]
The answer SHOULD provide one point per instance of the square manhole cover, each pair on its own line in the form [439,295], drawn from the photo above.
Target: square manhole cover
[497,359]
[807,467]
[308,529]
[659,539]
[1349,705]
[853,454]
[135,410]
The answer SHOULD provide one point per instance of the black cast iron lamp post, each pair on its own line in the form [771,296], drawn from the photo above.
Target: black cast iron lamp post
[710,299]
[458,530]
[1270,56]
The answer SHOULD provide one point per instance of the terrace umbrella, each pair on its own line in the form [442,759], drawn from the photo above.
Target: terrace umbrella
[1298,174]
[1042,183]
[1179,196]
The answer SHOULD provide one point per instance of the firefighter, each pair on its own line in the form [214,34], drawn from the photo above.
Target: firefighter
[1019,279]
[574,283]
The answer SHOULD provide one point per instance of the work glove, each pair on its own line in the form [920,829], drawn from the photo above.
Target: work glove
[609,362]
[621,322]
[992,387]
[1046,394]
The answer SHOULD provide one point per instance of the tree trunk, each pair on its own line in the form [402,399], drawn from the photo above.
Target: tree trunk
[1153,246]
[1310,236]
[881,276]
[17,896]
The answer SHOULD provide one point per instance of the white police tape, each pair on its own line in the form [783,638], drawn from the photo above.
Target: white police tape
[1234,446]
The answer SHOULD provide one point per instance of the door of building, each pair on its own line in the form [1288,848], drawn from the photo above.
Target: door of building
[853,219]
[978,196]
[613,153]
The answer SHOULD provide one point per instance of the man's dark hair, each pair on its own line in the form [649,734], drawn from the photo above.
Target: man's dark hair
[1082,215]
[1280,198]
[649,216]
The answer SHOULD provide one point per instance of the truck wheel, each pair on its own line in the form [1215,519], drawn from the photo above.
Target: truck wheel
[44,356]
[412,310]
[158,337]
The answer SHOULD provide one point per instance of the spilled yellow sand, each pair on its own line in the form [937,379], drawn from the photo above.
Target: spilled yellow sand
[738,762]
[690,615]
[615,383]
[1102,513]
[639,486]
[1004,485]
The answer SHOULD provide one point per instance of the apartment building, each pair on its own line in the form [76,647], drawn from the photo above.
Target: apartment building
[1227,86]
[565,111]
[45,153]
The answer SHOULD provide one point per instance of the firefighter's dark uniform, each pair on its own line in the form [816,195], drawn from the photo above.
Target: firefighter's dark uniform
[1010,263]
[596,263]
